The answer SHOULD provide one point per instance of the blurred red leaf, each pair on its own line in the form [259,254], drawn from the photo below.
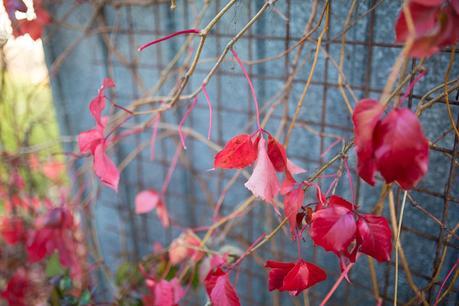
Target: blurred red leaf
[435,26]
[147,200]
[220,290]
[16,289]
[12,229]
[168,293]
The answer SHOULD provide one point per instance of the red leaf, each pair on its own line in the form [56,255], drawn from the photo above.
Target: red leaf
[293,277]
[292,204]
[333,228]
[12,230]
[435,26]
[277,154]
[278,271]
[55,232]
[374,237]
[88,140]
[168,293]
[97,104]
[335,200]
[211,263]
[220,290]
[105,169]
[366,115]
[238,153]
[278,157]
[147,200]
[15,292]
[263,182]
[401,149]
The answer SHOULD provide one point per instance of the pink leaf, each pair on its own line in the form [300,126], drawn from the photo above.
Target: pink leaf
[53,170]
[105,169]
[366,115]
[97,104]
[333,228]
[238,153]
[168,293]
[147,200]
[89,140]
[293,168]
[220,290]
[401,149]
[263,182]
[374,237]
[293,277]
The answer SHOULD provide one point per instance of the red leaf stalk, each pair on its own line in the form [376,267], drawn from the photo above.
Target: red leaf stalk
[252,89]
[154,42]
[410,87]
[182,122]
[444,282]
[171,170]
[153,135]
[336,285]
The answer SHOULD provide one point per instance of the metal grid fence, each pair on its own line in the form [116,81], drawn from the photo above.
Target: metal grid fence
[99,38]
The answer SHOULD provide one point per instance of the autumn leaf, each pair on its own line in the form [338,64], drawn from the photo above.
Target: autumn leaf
[220,290]
[293,277]
[238,153]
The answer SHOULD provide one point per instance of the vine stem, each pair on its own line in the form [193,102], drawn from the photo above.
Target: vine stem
[444,282]
[308,81]
[209,104]
[401,58]
[336,285]
[397,245]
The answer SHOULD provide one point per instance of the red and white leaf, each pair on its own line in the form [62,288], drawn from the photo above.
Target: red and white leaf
[263,182]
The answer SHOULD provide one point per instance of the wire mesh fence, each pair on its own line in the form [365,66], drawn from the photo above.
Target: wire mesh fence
[348,52]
